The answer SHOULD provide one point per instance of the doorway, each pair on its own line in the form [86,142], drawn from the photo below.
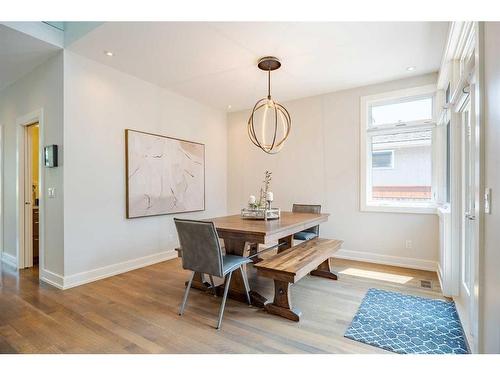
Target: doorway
[29,191]
[32,195]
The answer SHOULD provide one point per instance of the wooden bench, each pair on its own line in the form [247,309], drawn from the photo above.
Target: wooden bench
[291,265]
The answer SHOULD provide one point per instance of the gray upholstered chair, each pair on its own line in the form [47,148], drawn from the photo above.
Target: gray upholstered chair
[310,233]
[201,252]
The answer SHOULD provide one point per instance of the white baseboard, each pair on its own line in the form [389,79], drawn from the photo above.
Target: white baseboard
[11,260]
[115,269]
[440,278]
[65,282]
[52,278]
[364,256]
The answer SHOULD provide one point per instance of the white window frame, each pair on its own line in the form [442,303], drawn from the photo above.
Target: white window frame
[384,151]
[366,204]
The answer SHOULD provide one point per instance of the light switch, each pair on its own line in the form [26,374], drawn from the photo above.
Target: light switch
[487,201]
[52,192]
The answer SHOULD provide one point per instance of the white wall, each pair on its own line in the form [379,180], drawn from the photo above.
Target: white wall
[320,164]
[42,88]
[100,103]
[490,265]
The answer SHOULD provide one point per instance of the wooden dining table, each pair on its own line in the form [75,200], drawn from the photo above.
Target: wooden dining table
[243,236]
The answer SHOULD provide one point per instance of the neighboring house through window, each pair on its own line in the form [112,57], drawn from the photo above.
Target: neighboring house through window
[397,151]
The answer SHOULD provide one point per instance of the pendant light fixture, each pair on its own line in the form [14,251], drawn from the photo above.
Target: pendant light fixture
[269,124]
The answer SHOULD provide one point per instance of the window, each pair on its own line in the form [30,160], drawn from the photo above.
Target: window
[383,159]
[401,113]
[397,151]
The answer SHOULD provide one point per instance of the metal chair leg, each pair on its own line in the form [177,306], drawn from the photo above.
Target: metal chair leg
[186,293]
[247,287]
[213,284]
[223,304]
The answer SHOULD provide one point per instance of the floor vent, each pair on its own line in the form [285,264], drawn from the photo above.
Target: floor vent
[426,284]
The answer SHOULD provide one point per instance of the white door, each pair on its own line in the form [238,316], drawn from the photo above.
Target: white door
[467,196]
[470,208]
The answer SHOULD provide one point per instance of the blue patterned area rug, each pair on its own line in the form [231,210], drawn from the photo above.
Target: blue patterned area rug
[407,324]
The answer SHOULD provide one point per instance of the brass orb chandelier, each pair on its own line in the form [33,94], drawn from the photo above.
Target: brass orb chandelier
[269,124]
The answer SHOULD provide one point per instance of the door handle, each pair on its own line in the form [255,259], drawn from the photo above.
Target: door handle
[27,202]
[469,216]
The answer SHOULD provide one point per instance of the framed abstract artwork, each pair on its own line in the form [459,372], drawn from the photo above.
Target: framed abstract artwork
[165,175]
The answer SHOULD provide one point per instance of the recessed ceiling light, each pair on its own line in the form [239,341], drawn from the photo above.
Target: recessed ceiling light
[411,68]
[229,106]
[108,53]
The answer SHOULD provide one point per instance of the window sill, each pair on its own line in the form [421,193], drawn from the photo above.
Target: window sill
[420,209]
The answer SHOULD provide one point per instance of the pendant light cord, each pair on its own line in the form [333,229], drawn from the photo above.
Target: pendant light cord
[269,84]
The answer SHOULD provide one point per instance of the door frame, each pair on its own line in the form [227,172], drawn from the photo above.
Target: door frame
[21,125]
[1,193]
[478,105]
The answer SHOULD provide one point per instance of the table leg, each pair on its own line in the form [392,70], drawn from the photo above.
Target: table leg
[325,270]
[254,249]
[199,282]
[287,242]
[237,286]
[282,304]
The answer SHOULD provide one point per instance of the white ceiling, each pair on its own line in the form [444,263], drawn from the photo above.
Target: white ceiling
[20,54]
[215,63]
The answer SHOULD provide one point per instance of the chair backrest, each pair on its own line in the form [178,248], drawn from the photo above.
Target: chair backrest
[201,251]
[310,209]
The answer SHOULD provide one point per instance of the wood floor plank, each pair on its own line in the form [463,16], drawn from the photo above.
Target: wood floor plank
[136,312]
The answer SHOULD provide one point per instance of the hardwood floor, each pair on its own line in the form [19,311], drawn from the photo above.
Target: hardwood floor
[136,312]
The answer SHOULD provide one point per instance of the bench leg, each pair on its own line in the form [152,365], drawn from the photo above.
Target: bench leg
[282,304]
[325,270]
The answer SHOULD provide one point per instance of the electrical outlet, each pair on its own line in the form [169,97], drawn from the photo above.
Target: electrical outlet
[408,244]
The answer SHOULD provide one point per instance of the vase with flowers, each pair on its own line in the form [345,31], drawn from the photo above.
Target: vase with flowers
[261,208]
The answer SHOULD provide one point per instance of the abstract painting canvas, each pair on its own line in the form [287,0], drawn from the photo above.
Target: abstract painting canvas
[164,175]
